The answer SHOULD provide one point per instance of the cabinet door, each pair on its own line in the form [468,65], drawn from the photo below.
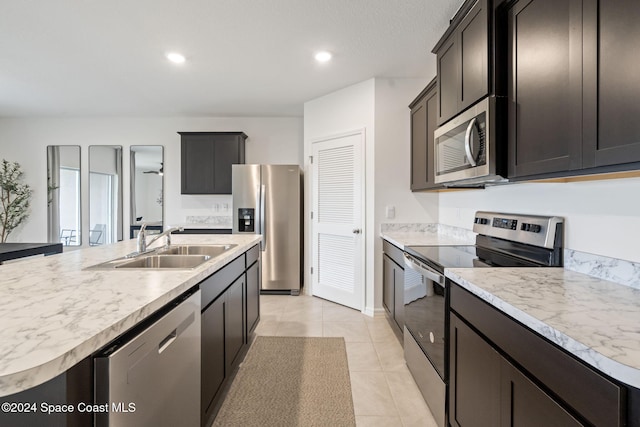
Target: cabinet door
[423,125]
[618,85]
[388,284]
[398,297]
[473,39]
[227,150]
[419,156]
[197,156]
[463,62]
[545,66]
[234,327]
[253,298]
[206,161]
[526,405]
[212,354]
[474,384]
[448,79]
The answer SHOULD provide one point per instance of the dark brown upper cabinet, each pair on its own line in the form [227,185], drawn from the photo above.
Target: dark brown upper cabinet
[545,86]
[572,88]
[463,60]
[423,124]
[618,85]
[206,159]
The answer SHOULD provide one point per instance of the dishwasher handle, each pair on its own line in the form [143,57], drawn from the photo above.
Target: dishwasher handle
[175,334]
[169,339]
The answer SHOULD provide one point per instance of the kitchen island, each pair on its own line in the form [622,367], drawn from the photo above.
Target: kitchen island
[54,313]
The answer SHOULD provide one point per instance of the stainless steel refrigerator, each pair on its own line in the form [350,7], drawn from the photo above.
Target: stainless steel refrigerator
[267,200]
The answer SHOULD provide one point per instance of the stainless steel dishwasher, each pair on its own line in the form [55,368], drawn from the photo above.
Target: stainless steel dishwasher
[151,375]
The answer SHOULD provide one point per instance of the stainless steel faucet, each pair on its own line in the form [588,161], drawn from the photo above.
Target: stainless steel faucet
[141,243]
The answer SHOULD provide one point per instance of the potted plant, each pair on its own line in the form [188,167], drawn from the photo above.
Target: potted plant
[14,198]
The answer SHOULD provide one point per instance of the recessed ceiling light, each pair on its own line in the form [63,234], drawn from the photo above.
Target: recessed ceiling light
[323,56]
[176,58]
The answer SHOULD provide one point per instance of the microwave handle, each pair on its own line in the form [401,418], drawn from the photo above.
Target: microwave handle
[467,142]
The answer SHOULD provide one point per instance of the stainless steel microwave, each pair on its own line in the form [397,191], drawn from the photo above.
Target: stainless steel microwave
[466,147]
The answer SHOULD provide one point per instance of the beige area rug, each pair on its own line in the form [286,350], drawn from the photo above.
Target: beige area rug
[290,381]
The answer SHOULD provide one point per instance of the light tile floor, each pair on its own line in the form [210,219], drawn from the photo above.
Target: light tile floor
[384,392]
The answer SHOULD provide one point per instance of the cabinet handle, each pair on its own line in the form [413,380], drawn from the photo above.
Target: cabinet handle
[467,142]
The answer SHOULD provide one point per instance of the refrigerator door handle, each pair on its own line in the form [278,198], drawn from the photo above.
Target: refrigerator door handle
[263,214]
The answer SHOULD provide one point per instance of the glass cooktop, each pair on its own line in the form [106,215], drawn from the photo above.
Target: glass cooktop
[446,256]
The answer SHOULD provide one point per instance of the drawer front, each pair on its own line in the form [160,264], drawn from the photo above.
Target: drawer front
[252,255]
[215,284]
[592,395]
[393,252]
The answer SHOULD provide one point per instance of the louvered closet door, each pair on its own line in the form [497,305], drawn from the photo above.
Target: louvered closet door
[338,235]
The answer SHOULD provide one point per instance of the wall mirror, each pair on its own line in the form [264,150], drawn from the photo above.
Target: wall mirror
[105,194]
[146,187]
[63,195]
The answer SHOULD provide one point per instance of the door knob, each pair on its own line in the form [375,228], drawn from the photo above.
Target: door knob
[356,231]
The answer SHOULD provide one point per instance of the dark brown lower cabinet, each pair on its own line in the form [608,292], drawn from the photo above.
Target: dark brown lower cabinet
[253,297]
[230,312]
[213,350]
[487,390]
[474,380]
[504,374]
[233,322]
[526,405]
[393,285]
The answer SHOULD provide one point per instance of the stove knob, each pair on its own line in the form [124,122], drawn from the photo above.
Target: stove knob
[535,228]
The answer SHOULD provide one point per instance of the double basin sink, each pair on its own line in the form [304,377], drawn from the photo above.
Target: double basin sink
[172,257]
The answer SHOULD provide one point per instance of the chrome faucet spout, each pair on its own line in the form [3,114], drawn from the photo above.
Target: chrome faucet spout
[142,243]
[167,234]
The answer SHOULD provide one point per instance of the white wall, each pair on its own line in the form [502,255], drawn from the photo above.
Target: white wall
[393,166]
[271,140]
[602,217]
[380,106]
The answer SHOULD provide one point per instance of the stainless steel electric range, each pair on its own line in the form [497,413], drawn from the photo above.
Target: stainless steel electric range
[503,240]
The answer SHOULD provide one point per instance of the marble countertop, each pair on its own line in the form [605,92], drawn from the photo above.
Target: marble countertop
[54,314]
[424,238]
[203,225]
[595,320]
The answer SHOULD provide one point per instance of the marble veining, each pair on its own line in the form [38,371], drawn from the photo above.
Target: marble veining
[411,227]
[209,221]
[596,320]
[54,314]
[616,270]
[402,235]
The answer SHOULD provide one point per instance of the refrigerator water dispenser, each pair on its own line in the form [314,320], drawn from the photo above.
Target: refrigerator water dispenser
[246,220]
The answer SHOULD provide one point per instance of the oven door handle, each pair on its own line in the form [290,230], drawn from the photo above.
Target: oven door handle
[424,270]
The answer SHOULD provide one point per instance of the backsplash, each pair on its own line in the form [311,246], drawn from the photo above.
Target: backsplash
[442,229]
[222,221]
[615,270]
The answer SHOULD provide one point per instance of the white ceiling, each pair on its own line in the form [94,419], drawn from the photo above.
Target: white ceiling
[244,57]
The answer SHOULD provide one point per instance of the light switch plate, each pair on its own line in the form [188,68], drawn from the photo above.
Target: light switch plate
[391,212]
